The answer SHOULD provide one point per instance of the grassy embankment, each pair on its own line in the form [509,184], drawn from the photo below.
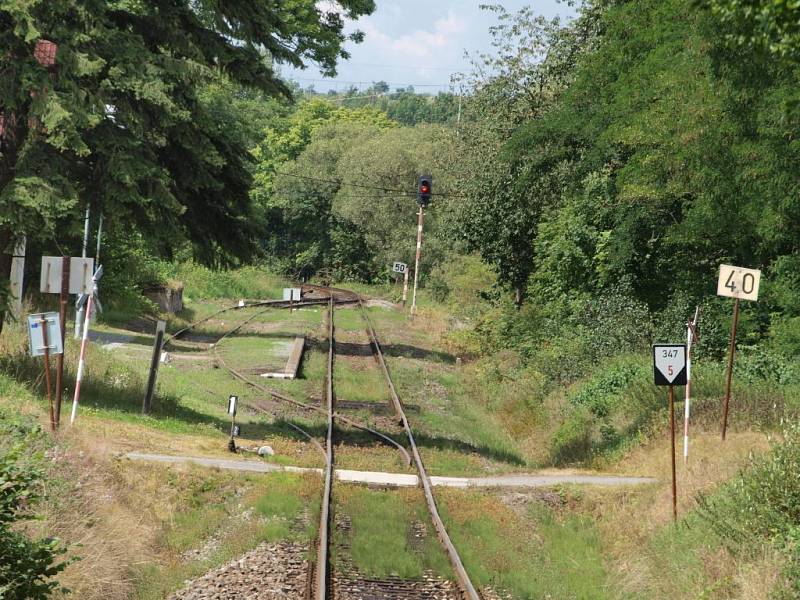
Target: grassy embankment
[472,419]
[140,530]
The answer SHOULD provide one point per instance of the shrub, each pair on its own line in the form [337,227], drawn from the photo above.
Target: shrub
[27,566]
[604,393]
[762,504]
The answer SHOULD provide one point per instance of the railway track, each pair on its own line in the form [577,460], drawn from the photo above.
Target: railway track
[390,587]
[320,581]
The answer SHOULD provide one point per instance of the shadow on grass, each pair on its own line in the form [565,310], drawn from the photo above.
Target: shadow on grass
[188,342]
[395,351]
[355,437]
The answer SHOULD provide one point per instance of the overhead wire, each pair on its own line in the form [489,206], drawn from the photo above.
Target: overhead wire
[363,186]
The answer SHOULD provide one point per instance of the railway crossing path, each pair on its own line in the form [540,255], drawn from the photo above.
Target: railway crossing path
[518,480]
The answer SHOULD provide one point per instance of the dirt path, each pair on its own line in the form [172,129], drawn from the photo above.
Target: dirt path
[519,480]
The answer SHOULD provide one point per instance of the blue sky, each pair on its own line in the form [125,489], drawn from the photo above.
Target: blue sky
[419,42]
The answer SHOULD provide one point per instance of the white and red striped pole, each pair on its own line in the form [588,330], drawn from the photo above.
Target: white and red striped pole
[416,262]
[82,359]
[691,336]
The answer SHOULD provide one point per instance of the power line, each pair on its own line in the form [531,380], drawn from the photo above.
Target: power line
[410,67]
[363,186]
[393,83]
[341,183]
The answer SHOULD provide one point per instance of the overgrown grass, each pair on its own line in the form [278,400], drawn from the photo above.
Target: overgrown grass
[381,534]
[530,554]
[220,523]
[245,282]
[761,505]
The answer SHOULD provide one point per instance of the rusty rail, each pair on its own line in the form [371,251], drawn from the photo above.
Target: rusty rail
[325,510]
[464,582]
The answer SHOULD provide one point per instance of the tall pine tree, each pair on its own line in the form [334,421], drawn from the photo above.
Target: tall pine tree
[119,121]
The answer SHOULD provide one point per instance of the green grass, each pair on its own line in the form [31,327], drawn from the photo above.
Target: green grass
[245,282]
[214,508]
[359,381]
[532,555]
[380,533]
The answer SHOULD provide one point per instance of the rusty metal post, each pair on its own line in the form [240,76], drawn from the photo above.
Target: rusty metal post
[65,264]
[46,343]
[672,453]
[731,351]
[416,262]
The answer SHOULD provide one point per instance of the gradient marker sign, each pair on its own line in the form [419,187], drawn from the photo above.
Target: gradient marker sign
[669,364]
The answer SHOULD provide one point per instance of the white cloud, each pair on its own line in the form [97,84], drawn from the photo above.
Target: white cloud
[420,43]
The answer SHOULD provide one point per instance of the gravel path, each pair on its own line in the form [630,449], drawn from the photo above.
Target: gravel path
[270,572]
[520,480]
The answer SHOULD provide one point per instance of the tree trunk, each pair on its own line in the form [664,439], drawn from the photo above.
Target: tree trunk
[8,161]
[6,251]
[518,297]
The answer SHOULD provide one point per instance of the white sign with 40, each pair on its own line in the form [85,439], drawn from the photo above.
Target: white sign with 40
[738,282]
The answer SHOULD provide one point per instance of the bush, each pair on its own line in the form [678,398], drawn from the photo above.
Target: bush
[762,504]
[246,282]
[27,566]
[759,363]
[785,336]
[604,393]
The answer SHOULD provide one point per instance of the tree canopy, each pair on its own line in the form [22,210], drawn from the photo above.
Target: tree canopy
[126,118]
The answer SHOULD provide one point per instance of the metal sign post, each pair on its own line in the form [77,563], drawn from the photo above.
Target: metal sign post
[232,412]
[669,368]
[47,374]
[64,276]
[45,339]
[154,362]
[691,338]
[63,297]
[741,284]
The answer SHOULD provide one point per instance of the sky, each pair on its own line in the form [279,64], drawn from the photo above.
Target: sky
[417,42]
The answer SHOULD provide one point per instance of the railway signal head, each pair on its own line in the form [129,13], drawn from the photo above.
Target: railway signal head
[424,190]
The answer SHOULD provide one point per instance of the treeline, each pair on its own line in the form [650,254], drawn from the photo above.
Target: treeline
[623,155]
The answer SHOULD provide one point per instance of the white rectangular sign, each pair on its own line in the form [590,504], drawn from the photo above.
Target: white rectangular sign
[36,334]
[399,267]
[80,275]
[738,282]
[291,294]
[232,405]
